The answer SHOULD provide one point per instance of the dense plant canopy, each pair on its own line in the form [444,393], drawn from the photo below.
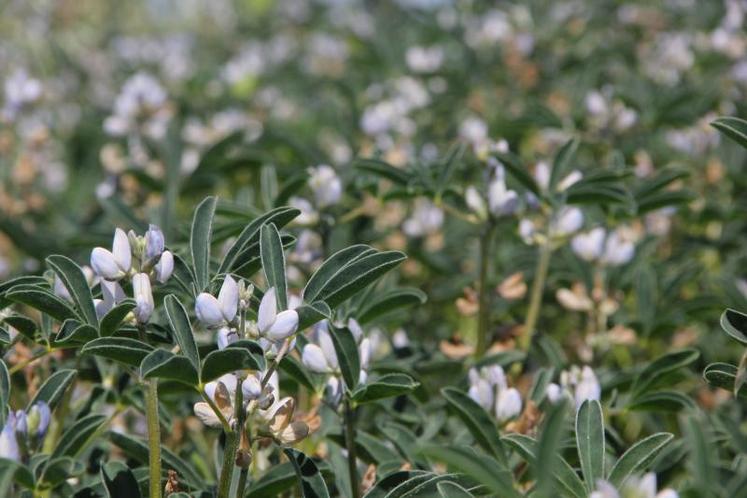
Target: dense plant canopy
[408,248]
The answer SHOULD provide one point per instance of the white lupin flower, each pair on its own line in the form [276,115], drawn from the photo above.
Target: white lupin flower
[272,325]
[638,487]
[225,337]
[8,443]
[114,264]
[143,297]
[482,393]
[326,185]
[568,220]
[589,245]
[587,387]
[501,201]
[426,218]
[165,267]
[112,294]
[508,404]
[154,243]
[475,202]
[251,387]
[333,391]
[214,312]
[617,250]
[313,359]
[554,393]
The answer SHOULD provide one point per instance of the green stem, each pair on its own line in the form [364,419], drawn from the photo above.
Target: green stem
[538,287]
[483,313]
[233,436]
[350,444]
[154,437]
[243,476]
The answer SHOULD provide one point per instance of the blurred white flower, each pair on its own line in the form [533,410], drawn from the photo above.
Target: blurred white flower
[576,384]
[567,221]
[612,249]
[20,90]
[424,59]
[488,387]
[634,487]
[326,185]
[425,219]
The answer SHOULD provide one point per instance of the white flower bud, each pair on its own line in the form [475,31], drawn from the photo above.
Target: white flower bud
[143,297]
[165,267]
[228,297]
[225,337]
[475,202]
[554,393]
[8,443]
[115,264]
[313,359]
[251,387]
[326,185]
[588,387]
[589,246]
[285,325]
[154,243]
[568,220]
[268,309]
[207,309]
[617,250]
[508,404]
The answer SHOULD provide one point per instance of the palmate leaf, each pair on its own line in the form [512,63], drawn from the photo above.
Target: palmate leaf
[590,441]
[273,263]
[200,240]
[310,478]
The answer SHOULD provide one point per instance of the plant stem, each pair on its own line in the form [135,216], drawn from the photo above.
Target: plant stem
[229,459]
[154,437]
[483,313]
[154,429]
[350,444]
[538,287]
[242,482]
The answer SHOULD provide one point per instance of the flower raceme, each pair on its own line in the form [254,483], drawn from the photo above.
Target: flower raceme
[23,430]
[609,249]
[576,384]
[634,487]
[488,387]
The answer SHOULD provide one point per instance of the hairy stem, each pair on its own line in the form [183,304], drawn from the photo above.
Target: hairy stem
[349,415]
[483,313]
[154,437]
[538,287]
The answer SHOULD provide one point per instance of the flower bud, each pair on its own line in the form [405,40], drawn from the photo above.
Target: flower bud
[326,185]
[8,443]
[285,325]
[588,246]
[143,297]
[22,426]
[154,243]
[165,267]
[251,387]
[208,310]
[38,419]
[508,404]
[313,359]
[115,264]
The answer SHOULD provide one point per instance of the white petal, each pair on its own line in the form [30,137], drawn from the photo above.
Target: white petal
[165,267]
[285,325]
[328,347]
[208,310]
[206,415]
[225,337]
[143,297]
[508,404]
[364,351]
[251,387]
[355,328]
[229,298]
[268,309]
[121,250]
[313,359]
[104,264]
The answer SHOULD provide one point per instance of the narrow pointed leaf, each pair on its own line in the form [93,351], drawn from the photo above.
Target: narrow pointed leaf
[42,300]
[389,302]
[734,128]
[310,478]
[590,441]
[562,162]
[182,328]
[273,263]
[163,364]
[77,436]
[119,481]
[386,386]
[638,457]
[331,266]
[4,392]
[347,355]
[54,388]
[200,240]
[478,421]
[122,349]
[77,285]
[114,317]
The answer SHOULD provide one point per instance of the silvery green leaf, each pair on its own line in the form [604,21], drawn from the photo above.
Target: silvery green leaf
[310,478]
[548,449]
[4,392]
[562,161]
[478,421]
[43,300]
[235,357]
[386,386]
[122,349]
[590,441]
[182,328]
[119,480]
[331,266]
[78,435]
[655,373]
[734,323]
[163,364]
[111,321]
[347,355]
[734,128]
[389,302]
[273,263]
[53,388]
[452,490]
[77,285]
[200,241]
[638,457]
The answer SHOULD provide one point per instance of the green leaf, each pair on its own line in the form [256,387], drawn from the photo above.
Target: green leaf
[347,355]
[74,332]
[179,321]
[273,263]
[562,162]
[734,323]
[200,240]
[310,478]
[732,127]
[57,470]
[383,170]
[54,388]
[137,449]
[77,436]
[331,266]
[590,441]
[114,317]
[310,314]
[482,468]
[12,471]
[655,372]
[452,490]
[43,300]
[4,392]
[280,217]
[723,375]
[478,421]
[119,481]
[278,479]
[77,285]
[230,359]
[296,371]
[122,349]
[548,449]
[662,401]
[565,475]
[163,364]
[638,457]
[25,326]
[392,481]
[389,302]
[516,169]
[386,386]
[357,275]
